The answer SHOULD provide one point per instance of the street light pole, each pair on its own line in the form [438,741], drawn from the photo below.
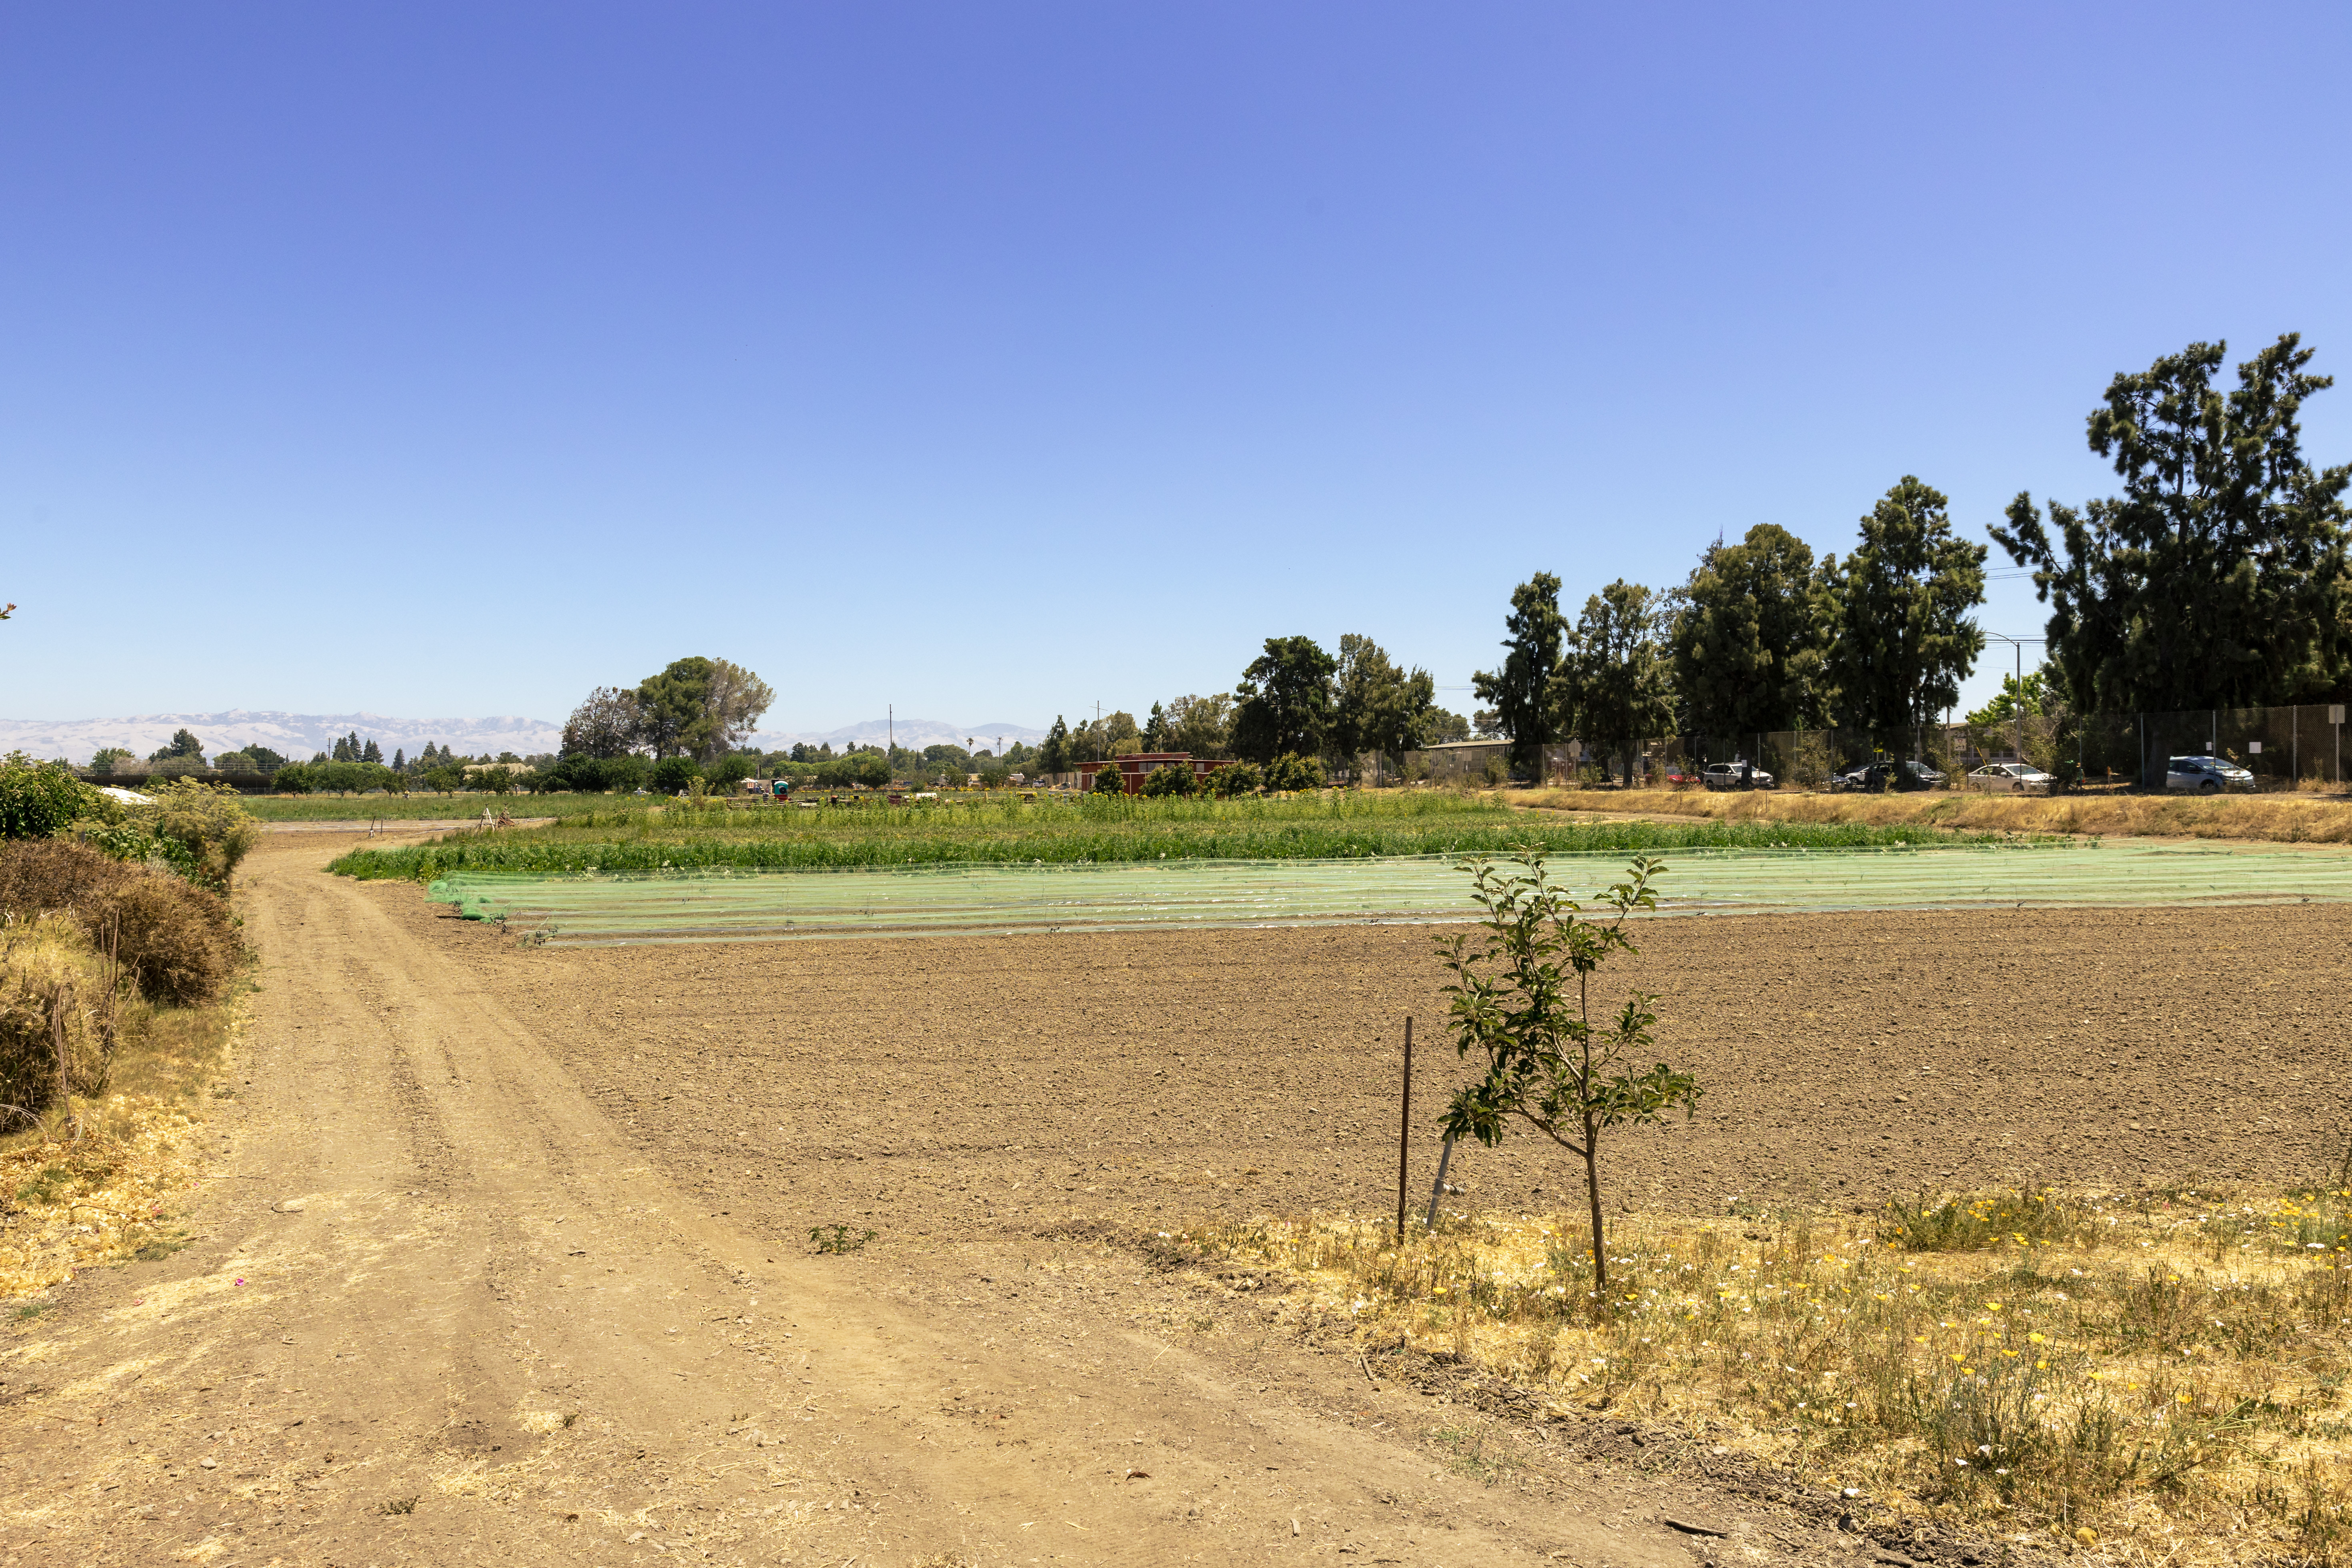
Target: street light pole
[2017,702]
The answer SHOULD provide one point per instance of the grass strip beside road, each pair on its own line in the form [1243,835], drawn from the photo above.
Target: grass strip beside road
[1332,825]
[2277,818]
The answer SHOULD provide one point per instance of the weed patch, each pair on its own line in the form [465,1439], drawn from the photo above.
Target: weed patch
[2174,1372]
[839,1239]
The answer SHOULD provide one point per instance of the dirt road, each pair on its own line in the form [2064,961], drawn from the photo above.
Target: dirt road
[448,1303]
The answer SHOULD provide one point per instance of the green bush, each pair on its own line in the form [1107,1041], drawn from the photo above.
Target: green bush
[853,769]
[1170,778]
[40,799]
[594,775]
[1292,771]
[731,770]
[134,845]
[1236,778]
[203,830]
[672,774]
[1109,781]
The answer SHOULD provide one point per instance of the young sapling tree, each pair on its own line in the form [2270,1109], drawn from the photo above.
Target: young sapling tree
[1521,1001]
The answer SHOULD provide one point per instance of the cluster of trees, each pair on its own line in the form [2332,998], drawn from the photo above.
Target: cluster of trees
[1294,699]
[1761,637]
[697,707]
[2218,577]
[351,749]
[1201,726]
[351,760]
[185,754]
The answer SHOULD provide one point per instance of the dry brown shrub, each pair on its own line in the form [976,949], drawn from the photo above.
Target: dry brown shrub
[39,875]
[50,982]
[176,940]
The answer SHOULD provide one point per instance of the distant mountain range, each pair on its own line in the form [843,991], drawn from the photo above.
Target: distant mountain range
[297,735]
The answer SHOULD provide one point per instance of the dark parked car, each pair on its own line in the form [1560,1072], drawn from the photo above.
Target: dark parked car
[1875,777]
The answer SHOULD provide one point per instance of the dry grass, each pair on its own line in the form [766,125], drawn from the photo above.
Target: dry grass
[96,1179]
[2168,1373]
[2284,818]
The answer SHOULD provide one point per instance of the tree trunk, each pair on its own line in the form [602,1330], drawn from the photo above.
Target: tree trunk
[1592,1197]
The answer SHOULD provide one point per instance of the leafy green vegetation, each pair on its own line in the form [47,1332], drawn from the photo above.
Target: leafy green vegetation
[1329,826]
[420,807]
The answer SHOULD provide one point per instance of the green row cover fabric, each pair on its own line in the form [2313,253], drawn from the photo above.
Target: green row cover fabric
[702,906]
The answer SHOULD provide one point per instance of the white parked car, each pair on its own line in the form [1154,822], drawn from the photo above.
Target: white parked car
[1735,775]
[2206,775]
[2018,778]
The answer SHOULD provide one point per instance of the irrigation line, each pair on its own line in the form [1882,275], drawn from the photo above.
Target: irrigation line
[973,899]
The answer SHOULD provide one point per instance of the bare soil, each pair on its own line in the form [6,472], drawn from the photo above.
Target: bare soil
[522,1234]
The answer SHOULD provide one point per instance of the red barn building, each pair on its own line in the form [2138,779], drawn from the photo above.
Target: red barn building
[1133,769]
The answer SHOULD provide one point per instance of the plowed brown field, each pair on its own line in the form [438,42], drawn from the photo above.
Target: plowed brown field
[999,1086]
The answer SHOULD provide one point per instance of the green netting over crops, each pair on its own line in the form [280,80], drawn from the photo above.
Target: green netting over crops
[700,906]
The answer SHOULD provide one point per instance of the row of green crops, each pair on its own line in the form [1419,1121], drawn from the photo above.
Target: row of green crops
[420,807]
[1335,827]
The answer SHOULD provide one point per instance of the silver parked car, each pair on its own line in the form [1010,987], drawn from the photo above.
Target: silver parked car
[2018,778]
[2206,775]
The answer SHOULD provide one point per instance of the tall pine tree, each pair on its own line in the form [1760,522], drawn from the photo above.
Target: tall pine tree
[1745,635]
[1902,640]
[1521,691]
[1614,684]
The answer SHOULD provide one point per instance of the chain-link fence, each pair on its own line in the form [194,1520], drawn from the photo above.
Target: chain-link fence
[2283,748]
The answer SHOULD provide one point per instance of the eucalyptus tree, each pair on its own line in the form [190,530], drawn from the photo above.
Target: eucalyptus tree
[1745,636]
[1900,640]
[2217,577]
[1521,691]
[1615,685]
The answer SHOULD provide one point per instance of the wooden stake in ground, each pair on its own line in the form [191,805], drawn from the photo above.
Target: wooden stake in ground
[1404,1129]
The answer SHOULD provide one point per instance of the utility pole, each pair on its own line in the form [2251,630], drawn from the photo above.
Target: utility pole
[2017,707]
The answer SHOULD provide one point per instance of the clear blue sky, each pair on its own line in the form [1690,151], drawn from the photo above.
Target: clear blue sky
[993,360]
